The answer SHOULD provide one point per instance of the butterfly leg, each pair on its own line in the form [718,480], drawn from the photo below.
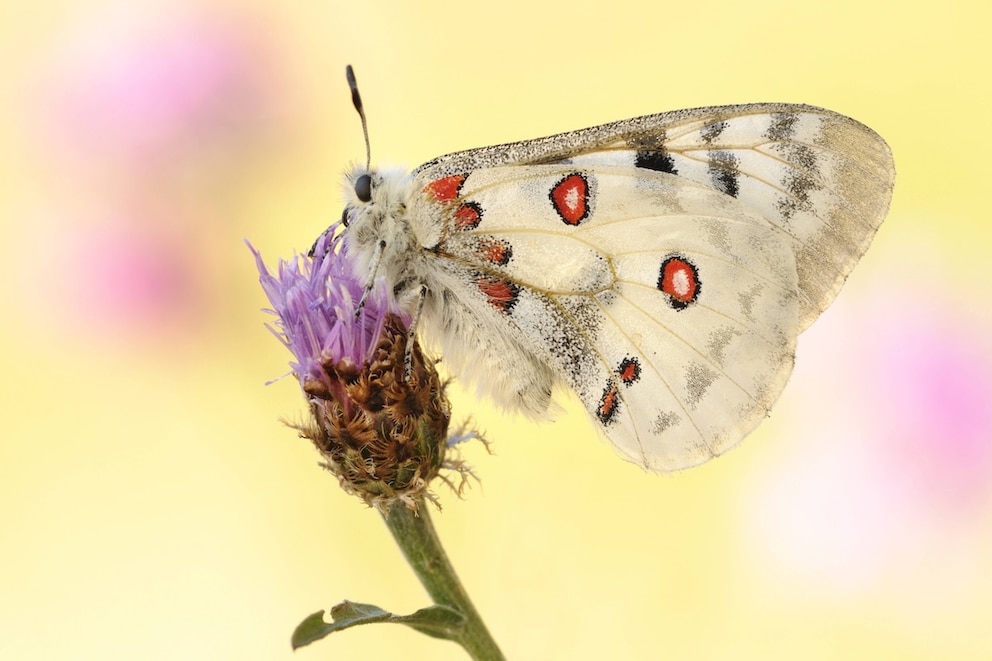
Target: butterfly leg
[313,249]
[411,333]
[376,259]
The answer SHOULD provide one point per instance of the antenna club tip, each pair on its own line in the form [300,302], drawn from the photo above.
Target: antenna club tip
[356,99]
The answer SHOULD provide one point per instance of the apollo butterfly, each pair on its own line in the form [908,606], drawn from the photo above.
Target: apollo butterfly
[660,267]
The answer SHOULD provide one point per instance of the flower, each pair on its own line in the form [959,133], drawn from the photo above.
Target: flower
[380,428]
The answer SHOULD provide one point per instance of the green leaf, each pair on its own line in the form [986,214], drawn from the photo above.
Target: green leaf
[436,621]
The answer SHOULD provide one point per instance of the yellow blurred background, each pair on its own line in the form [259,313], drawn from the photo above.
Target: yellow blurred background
[152,505]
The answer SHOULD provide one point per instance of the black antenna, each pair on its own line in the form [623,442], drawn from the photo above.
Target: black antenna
[356,98]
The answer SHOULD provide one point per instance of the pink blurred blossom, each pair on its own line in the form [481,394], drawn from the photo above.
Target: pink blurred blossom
[890,456]
[141,116]
[123,280]
[144,88]
[933,373]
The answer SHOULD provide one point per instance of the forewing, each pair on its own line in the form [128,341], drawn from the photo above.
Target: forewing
[669,307]
[823,178]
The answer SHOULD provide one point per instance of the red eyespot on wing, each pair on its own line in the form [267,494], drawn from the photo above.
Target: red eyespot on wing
[679,278]
[629,370]
[609,404]
[445,189]
[570,198]
[501,294]
[468,216]
[495,251]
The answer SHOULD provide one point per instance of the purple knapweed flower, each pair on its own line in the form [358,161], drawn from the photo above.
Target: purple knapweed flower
[315,300]
[381,431]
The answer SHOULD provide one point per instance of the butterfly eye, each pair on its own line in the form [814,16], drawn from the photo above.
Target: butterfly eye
[363,188]
[344,217]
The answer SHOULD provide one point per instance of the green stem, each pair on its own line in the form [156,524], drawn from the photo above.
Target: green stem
[416,537]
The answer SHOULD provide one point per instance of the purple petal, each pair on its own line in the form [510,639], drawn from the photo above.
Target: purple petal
[315,299]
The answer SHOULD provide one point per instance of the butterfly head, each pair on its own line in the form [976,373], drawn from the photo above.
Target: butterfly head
[357,194]
[358,203]
[374,218]
[372,195]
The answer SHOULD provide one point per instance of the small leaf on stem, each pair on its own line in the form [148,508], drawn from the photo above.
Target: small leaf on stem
[437,621]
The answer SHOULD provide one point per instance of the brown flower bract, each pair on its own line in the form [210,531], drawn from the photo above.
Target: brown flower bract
[386,438]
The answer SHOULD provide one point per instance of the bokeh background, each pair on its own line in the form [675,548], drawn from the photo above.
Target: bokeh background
[153,506]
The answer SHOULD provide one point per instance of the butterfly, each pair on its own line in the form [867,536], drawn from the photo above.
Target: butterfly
[661,267]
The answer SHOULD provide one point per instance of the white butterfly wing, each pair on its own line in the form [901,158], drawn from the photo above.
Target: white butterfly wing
[661,267]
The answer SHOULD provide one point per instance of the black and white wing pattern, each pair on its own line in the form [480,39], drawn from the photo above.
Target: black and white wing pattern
[661,267]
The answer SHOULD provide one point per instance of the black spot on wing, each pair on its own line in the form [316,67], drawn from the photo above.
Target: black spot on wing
[655,160]
[712,131]
[724,173]
[651,153]
[782,127]
[798,180]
